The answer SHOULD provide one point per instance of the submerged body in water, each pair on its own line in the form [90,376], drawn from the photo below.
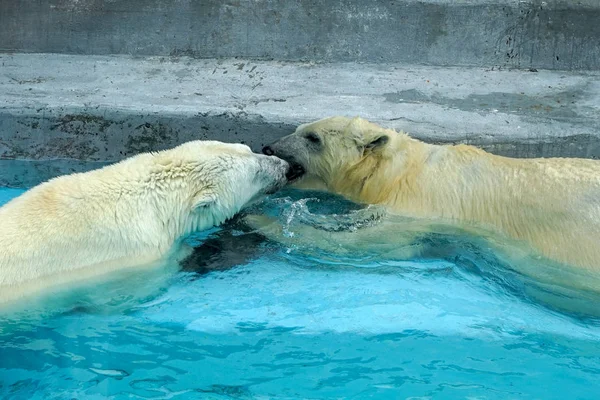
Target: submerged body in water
[371,233]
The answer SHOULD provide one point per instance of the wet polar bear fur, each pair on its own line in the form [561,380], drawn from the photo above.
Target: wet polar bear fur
[550,204]
[128,214]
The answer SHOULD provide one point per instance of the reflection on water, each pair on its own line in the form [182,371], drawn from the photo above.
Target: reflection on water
[250,318]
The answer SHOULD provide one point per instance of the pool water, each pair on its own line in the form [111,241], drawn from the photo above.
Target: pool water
[286,324]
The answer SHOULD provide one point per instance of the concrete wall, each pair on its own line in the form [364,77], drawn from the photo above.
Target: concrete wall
[518,78]
[550,34]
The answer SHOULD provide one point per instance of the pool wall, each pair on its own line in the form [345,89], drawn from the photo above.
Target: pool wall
[549,34]
[88,82]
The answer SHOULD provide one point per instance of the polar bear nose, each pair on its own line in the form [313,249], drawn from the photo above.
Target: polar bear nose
[268,150]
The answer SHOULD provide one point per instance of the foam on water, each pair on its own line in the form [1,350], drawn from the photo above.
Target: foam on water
[290,324]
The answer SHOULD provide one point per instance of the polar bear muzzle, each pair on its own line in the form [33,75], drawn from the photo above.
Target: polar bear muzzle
[296,168]
[273,174]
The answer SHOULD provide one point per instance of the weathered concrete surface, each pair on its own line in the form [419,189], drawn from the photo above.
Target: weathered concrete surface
[73,112]
[550,34]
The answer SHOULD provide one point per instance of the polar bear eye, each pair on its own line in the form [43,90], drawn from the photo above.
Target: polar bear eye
[313,138]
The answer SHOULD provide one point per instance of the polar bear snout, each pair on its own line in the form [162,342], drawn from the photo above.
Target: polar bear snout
[273,173]
[296,168]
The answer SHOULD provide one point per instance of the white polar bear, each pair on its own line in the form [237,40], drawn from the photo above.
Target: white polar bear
[541,216]
[128,214]
[549,204]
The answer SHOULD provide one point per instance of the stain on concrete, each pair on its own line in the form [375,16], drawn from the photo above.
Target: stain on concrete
[178,53]
[154,72]
[557,106]
[150,137]
[81,124]
[82,150]
[183,73]
[267,100]
[435,23]
[30,81]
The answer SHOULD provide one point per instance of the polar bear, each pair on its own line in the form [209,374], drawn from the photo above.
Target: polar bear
[127,214]
[551,205]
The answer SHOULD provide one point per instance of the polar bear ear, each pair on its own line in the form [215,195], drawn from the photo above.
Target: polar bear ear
[204,200]
[367,136]
[377,143]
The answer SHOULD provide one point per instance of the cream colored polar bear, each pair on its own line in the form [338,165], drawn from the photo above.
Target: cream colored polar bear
[551,205]
[127,214]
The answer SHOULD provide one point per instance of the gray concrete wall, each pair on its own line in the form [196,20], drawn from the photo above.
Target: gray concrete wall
[61,113]
[550,34]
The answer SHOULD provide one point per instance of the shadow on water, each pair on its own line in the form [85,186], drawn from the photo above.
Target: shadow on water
[472,259]
[117,293]
[236,244]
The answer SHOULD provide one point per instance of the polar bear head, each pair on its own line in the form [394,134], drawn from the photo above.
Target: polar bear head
[338,151]
[125,214]
[196,185]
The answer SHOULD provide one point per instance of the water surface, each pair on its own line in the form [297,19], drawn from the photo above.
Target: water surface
[292,324]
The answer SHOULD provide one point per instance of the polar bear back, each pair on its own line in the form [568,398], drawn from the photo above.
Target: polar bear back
[49,229]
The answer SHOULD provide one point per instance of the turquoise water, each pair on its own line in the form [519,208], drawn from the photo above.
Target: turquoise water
[288,324]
